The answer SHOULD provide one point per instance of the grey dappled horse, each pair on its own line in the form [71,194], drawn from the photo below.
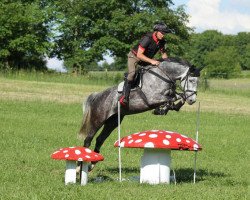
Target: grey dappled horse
[158,87]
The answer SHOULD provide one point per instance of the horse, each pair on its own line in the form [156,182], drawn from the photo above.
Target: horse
[158,87]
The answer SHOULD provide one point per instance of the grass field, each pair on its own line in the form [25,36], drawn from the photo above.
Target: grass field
[39,116]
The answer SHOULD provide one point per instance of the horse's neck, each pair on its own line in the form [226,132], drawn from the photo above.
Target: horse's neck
[175,70]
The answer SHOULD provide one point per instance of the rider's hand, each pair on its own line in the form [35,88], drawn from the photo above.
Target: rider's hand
[155,62]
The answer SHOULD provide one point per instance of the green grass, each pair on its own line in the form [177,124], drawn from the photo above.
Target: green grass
[91,78]
[33,127]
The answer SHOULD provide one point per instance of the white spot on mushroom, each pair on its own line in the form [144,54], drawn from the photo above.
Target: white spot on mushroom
[67,155]
[88,150]
[142,134]
[129,137]
[149,145]
[122,144]
[169,132]
[168,136]
[196,146]
[80,159]
[153,135]
[87,156]
[138,141]
[178,139]
[77,152]
[65,151]
[130,141]
[56,152]
[71,147]
[188,141]
[166,142]
[154,130]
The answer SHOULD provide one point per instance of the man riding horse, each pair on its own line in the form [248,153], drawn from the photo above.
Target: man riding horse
[143,54]
[158,88]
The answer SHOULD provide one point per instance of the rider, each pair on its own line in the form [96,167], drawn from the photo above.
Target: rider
[143,54]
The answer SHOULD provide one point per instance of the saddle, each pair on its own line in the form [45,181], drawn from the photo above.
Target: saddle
[137,82]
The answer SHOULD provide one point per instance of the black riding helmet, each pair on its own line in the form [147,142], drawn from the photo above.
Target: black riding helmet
[162,27]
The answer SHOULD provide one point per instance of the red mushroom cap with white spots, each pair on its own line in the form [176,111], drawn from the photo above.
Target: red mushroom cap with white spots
[77,154]
[159,139]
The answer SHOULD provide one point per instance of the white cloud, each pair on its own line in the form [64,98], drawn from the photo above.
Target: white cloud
[206,14]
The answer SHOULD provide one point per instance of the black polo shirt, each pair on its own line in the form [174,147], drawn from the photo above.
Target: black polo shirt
[150,44]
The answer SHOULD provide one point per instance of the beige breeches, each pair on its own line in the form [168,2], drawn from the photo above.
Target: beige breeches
[132,62]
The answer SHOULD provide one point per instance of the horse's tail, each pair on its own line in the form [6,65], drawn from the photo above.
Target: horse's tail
[86,117]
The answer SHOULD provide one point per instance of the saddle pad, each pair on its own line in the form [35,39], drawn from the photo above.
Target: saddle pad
[121,85]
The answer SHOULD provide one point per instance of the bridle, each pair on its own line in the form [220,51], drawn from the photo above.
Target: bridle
[173,84]
[192,92]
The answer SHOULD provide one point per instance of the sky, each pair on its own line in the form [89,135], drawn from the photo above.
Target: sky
[226,16]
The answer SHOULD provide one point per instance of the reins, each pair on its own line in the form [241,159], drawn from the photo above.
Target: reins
[173,83]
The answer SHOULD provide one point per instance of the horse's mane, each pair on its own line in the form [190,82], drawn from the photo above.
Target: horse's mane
[192,69]
[180,61]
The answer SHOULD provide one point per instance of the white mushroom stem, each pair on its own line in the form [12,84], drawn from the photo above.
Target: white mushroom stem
[70,173]
[84,173]
[71,170]
[155,166]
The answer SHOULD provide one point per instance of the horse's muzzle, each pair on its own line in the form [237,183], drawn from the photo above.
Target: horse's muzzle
[190,97]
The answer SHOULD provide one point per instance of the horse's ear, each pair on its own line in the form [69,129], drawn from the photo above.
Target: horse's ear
[195,71]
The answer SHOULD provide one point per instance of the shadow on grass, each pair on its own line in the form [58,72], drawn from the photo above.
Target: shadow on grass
[125,170]
[183,175]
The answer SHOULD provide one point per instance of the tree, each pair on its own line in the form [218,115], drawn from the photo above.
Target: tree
[201,44]
[88,29]
[24,35]
[222,62]
[242,45]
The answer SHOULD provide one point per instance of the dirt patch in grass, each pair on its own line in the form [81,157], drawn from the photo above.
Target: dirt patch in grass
[45,91]
[77,93]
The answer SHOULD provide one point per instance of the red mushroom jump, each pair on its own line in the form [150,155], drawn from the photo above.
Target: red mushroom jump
[156,159]
[73,154]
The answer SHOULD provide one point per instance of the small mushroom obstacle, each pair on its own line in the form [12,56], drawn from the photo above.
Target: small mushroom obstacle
[73,154]
[157,144]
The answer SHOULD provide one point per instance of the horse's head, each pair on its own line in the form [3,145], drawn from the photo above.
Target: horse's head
[178,69]
[189,84]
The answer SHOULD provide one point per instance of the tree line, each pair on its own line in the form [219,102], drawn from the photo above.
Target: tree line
[81,32]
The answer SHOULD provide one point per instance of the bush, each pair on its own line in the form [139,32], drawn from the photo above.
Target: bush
[223,62]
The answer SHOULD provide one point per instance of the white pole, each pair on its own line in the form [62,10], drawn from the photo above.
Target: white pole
[119,138]
[196,138]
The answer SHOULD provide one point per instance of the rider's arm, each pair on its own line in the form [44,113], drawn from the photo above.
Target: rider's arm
[142,57]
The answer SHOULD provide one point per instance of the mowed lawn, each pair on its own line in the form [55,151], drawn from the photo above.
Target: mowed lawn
[37,118]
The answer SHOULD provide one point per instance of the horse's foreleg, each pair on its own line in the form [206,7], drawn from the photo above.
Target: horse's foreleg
[178,106]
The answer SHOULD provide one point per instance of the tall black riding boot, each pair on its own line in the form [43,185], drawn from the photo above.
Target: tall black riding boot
[124,100]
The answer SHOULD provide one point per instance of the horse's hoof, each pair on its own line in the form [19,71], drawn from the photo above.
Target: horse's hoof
[78,169]
[91,167]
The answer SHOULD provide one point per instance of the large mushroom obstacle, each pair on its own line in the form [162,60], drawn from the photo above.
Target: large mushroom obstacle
[157,145]
[73,154]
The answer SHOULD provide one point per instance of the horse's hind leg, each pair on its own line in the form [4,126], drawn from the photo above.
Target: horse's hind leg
[87,142]
[109,126]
